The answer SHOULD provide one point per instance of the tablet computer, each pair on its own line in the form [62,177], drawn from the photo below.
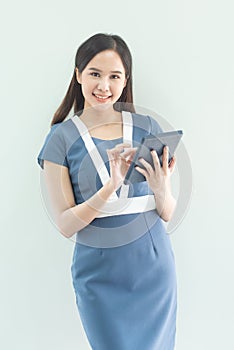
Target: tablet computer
[148,143]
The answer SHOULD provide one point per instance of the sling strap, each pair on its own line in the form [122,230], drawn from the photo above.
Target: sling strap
[122,204]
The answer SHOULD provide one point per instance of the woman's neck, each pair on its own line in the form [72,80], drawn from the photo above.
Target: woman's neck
[92,117]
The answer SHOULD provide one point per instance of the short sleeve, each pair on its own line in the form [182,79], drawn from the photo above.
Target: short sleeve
[155,127]
[54,148]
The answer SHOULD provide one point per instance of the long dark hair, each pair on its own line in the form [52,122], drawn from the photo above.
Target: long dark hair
[91,47]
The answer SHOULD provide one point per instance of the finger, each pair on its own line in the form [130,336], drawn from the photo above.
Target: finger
[165,158]
[120,148]
[132,155]
[142,171]
[146,165]
[129,158]
[114,153]
[172,164]
[110,157]
[128,153]
[155,160]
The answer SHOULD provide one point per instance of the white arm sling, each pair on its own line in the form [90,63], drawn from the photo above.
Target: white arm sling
[122,204]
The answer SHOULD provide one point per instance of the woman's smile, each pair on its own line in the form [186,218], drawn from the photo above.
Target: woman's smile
[101,98]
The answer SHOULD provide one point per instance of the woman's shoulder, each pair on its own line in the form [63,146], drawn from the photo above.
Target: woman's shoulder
[62,128]
[57,142]
[65,132]
[146,121]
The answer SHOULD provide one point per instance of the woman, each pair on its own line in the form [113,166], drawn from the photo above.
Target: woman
[123,266]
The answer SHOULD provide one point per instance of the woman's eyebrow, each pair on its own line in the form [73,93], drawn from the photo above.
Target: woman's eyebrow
[98,70]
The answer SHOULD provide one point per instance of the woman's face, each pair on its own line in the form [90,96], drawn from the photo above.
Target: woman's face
[103,80]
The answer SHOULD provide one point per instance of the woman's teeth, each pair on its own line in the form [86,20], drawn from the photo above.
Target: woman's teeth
[102,97]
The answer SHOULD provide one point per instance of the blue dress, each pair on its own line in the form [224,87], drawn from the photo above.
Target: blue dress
[126,294]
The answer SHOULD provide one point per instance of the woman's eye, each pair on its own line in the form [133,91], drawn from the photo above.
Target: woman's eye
[115,76]
[94,74]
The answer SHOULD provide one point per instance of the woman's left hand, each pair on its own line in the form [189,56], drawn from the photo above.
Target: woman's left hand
[159,177]
[159,182]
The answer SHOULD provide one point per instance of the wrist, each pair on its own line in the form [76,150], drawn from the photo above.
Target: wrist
[101,196]
[164,196]
[113,186]
[110,186]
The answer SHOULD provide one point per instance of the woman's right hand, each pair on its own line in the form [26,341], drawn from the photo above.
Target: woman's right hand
[120,159]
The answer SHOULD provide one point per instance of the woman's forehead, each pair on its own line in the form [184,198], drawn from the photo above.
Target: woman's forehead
[108,60]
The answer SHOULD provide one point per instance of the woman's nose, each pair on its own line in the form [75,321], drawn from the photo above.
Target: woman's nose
[103,84]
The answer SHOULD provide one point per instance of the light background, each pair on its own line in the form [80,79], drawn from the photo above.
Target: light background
[183,70]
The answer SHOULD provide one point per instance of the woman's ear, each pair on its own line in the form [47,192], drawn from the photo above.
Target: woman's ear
[78,75]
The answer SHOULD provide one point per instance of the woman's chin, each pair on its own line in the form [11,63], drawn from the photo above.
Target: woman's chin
[102,106]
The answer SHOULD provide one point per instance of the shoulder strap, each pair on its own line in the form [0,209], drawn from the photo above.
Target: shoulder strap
[127,137]
[95,155]
[93,152]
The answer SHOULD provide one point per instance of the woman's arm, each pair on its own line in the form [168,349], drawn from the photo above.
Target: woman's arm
[69,217]
[165,205]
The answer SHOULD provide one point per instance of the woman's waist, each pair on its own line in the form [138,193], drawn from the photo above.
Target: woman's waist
[118,230]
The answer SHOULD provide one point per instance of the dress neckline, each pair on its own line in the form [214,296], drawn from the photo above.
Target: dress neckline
[98,138]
